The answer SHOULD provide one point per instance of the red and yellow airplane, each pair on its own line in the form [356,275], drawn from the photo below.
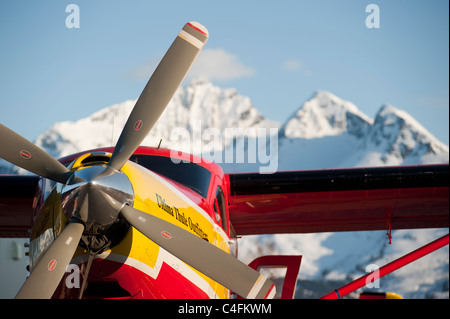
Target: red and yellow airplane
[142,222]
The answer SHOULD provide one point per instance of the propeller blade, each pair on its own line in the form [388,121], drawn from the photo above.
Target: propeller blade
[21,152]
[201,255]
[46,276]
[159,90]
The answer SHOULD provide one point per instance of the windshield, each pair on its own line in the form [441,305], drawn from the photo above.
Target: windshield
[188,174]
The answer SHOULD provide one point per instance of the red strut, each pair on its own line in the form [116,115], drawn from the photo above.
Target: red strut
[388,268]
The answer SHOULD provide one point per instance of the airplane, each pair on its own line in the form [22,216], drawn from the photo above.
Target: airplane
[138,222]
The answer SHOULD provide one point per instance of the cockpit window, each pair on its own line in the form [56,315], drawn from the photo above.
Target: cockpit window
[219,204]
[188,174]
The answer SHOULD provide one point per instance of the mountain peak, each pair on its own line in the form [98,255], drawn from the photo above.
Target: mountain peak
[195,107]
[388,113]
[324,114]
[391,121]
[396,138]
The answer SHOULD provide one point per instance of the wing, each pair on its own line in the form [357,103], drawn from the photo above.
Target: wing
[16,204]
[356,199]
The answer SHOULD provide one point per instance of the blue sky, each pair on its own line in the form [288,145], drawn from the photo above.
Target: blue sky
[278,53]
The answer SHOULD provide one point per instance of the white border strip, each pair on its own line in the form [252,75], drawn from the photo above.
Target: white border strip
[191,39]
[163,256]
[272,293]
[256,287]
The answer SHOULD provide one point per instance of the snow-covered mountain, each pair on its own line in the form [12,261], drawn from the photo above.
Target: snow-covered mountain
[194,108]
[324,114]
[328,132]
[325,132]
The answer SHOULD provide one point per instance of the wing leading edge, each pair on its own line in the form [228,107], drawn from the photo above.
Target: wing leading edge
[355,199]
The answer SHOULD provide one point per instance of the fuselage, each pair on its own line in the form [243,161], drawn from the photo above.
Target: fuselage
[182,189]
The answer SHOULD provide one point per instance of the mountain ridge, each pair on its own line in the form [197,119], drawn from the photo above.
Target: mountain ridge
[200,108]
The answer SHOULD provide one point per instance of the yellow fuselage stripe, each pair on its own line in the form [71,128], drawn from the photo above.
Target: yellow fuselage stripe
[157,197]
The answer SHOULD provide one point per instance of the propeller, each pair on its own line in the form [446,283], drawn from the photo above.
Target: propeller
[96,197]
[21,152]
[201,255]
[159,90]
[45,277]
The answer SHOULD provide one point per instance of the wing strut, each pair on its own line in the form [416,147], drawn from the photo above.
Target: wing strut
[388,268]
